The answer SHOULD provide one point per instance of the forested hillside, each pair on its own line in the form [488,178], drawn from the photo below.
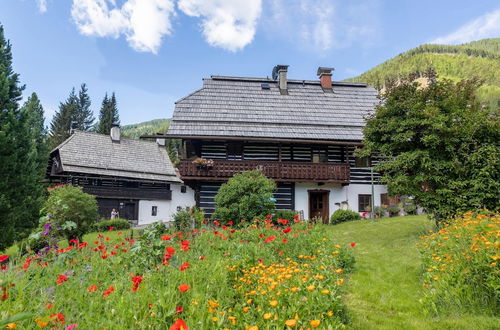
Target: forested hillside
[476,59]
[134,131]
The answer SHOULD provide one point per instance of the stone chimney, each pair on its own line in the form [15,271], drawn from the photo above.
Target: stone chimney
[325,78]
[115,133]
[279,73]
[160,140]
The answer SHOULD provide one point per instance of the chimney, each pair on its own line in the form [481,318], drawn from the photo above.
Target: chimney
[279,73]
[73,127]
[325,78]
[160,140]
[115,133]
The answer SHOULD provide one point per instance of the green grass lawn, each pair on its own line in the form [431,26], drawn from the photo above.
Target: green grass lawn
[385,288]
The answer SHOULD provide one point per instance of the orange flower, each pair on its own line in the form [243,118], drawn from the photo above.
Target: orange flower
[291,323]
[42,323]
[315,323]
[184,287]
[11,326]
[179,325]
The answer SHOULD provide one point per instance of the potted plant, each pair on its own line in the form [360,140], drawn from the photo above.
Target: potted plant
[410,209]
[393,210]
[378,211]
[203,164]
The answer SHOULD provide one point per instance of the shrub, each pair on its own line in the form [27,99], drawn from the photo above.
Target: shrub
[379,211]
[461,265]
[284,214]
[410,209]
[393,210]
[247,195]
[71,211]
[344,215]
[117,224]
[184,217]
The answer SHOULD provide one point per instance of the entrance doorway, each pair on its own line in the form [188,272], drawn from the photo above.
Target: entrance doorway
[319,205]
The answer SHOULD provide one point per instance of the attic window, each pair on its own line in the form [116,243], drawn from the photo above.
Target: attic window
[265,86]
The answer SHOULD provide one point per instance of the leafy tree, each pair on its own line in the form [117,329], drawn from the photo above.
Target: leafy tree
[247,195]
[438,145]
[108,114]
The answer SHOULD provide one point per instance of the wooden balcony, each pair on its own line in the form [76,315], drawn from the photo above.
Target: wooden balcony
[278,171]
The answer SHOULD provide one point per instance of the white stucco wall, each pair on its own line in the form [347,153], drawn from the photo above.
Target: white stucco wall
[165,209]
[338,194]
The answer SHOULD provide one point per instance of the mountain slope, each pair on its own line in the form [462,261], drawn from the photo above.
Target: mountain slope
[134,131]
[476,59]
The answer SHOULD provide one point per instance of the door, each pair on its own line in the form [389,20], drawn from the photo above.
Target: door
[128,210]
[319,205]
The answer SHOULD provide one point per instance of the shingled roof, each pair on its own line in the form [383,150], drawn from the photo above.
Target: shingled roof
[241,107]
[97,154]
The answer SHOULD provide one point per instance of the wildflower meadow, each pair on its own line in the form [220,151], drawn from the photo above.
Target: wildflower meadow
[258,275]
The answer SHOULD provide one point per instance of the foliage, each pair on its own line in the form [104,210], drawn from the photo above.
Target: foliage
[344,215]
[438,145]
[208,279]
[476,59]
[108,115]
[246,196]
[461,265]
[114,224]
[22,154]
[188,217]
[379,211]
[152,127]
[393,210]
[410,209]
[289,215]
[70,204]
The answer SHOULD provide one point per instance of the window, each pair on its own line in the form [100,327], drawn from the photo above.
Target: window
[154,211]
[234,151]
[183,189]
[384,199]
[363,202]
[362,161]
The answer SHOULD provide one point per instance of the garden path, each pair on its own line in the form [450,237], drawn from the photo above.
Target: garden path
[384,291]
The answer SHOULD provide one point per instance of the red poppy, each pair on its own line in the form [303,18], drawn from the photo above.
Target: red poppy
[202,257]
[4,258]
[179,325]
[287,230]
[92,288]
[137,280]
[61,279]
[284,240]
[57,317]
[110,228]
[170,250]
[184,266]
[185,245]
[270,239]
[108,291]
[166,238]
[184,287]
[179,309]
[230,223]
[353,244]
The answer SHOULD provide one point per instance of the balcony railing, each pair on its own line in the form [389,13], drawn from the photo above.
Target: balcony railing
[278,171]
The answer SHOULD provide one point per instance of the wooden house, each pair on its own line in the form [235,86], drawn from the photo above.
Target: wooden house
[136,178]
[300,133]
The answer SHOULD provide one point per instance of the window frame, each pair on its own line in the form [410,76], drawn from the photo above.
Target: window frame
[154,210]
[362,196]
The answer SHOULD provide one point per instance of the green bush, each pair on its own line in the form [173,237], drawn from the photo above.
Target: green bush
[71,211]
[284,214]
[393,210]
[182,218]
[117,224]
[410,209]
[247,195]
[344,215]
[379,211]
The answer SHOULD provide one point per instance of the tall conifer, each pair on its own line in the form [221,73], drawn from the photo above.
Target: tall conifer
[108,114]
[61,122]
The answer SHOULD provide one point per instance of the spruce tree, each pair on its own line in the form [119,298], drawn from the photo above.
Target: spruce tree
[84,117]
[108,114]
[61,122]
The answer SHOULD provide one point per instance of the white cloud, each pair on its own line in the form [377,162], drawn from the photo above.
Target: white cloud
[143,22]
[229,24]
[486,26]
[42,5]
[323,25]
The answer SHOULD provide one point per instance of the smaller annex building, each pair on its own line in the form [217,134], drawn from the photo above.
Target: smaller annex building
[134,177]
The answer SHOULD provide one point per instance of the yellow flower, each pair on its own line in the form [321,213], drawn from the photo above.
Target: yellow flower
[249,301]
[253,327]
[315,323]
[273,303]
[214,319]
[267,316]
[329,313]
[213,303]
[291,323]
[294,290]
[340,282]
[339,271]
[11,326]
[232,319]
[246,309]
[325,291]
[311,287]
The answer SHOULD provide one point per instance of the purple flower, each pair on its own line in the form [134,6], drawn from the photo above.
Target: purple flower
[47,227]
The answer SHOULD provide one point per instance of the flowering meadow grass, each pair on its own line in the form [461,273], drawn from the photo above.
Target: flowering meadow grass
[462,265]
[258,276]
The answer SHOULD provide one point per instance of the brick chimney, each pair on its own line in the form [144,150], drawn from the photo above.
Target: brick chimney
[279,73]
[325,78]
[115,133]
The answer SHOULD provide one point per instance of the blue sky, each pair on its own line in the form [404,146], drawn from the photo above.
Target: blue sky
[153,52]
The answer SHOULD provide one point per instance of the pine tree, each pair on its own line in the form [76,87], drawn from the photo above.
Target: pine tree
[61,122]
[84,117]
[108,114]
